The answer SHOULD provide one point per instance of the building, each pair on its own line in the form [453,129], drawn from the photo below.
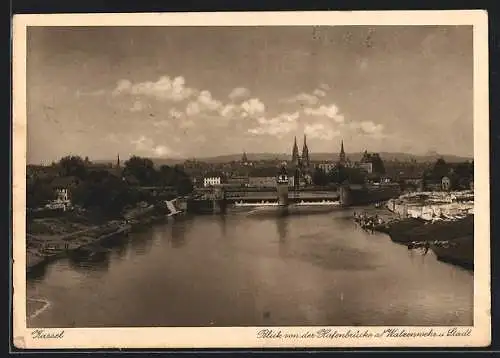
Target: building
[295,153]
[300,165]
[264,177]
[445,183]
[373,162]
[238,181]
[244,160]
[305,154]
[212,179]
[342,157]
[367,167]
[327,167]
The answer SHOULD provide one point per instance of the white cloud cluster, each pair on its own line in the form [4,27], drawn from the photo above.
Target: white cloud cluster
[282,124]
[203,103]
[330,111]
[164,88]
[146,146]
[319,93]
[239,92]
[310,99]
[253,107]
[305,98]
[368,128]
[320,131]
[250,108]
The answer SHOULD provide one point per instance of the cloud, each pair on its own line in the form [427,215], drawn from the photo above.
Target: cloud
[276,126]
[122,86]
[203,103]
[137,106]
[368,128]
[147,146]
[320,131]
[239,92]
[100,92]
[164,88]
[228,110]
[330,111]
[175,113]
[193,108]
[324,87]
[161,150]
[253,107]
[319,93]
[207,102]
[249,108]
[304,98]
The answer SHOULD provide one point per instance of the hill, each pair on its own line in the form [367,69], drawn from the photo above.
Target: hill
[386,156]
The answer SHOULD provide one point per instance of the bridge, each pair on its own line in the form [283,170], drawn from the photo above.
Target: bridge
[249,195]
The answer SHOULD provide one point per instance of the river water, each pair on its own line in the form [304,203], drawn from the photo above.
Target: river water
[237,270]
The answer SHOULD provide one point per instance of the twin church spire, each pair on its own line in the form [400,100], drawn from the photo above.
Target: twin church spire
[296,158]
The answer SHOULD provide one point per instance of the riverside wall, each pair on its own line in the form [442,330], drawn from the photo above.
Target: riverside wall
[367,195]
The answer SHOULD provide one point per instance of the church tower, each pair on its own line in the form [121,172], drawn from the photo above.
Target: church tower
[118,161]
[295,152]
[342,159]
[305,154]
[244,158]
[282,189]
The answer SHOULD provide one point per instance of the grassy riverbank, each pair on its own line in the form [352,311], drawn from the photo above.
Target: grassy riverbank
[52,237]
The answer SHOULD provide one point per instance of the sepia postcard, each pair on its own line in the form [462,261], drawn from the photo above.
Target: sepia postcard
[251,180]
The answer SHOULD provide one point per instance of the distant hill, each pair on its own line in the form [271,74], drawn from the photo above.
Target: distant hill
[430,157]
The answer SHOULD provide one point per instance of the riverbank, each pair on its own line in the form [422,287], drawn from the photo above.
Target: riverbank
[80,232]
[451,239]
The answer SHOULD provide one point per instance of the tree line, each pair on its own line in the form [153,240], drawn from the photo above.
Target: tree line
[338,175]
[109,190]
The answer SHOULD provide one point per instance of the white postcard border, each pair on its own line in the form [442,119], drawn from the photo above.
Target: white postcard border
[247,337]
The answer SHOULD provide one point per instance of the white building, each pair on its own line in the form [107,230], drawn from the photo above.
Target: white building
[212,181]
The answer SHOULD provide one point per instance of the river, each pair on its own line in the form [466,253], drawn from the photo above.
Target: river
[236,270]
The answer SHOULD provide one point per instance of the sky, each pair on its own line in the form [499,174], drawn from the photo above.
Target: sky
[193,92]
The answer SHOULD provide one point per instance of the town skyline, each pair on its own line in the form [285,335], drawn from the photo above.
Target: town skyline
[204,92]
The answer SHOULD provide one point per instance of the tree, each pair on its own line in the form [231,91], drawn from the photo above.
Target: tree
[73,166]
[106,193]
[319,177]
[354,176]
[142,169]
[440,169]
[38,192]
[378,164]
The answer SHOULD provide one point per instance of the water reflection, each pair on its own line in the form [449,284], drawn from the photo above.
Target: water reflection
[141,244]
[95,260]
[282,224]
[178,234]
[223,225]
[121,249]
[37,273]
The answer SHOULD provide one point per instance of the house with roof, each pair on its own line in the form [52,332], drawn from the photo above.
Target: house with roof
[63,186]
